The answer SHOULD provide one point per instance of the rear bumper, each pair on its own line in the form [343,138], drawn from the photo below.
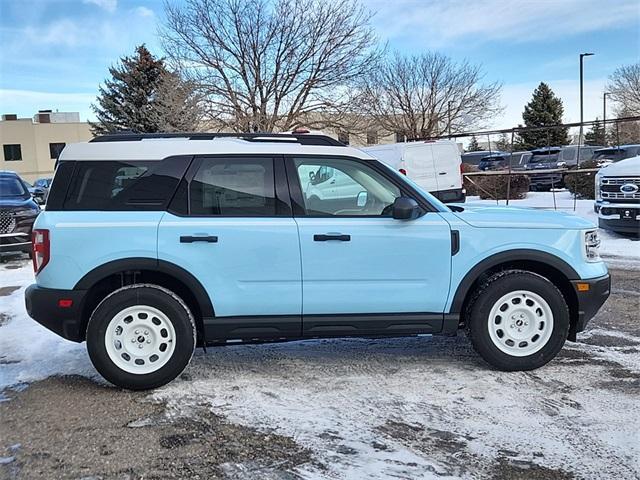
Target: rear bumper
[589,300]
[42,305]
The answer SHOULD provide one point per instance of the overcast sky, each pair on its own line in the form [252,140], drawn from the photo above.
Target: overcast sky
[55,52]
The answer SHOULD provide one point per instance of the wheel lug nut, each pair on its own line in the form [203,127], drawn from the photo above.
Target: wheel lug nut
[137,332]
[148,341]
[140,346]
[133,340]
[512,325]
[146,332]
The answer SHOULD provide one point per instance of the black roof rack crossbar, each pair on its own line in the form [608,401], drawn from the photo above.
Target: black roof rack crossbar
[301,138]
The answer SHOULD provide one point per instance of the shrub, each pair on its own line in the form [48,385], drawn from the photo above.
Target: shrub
[582,184]
[492,186]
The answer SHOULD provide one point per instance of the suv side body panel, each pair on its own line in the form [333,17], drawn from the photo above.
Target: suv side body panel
[84,240]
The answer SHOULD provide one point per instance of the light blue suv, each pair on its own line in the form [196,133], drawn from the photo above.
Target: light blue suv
[154,244]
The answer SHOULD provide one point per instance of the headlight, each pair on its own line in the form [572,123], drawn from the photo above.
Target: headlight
[592,246]
[597,186]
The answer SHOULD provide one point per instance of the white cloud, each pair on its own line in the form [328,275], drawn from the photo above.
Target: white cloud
[143,11]
[108,5]
[26,103]
[440,23]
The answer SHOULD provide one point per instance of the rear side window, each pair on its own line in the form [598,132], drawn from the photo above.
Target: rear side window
[233,187]
[124,185]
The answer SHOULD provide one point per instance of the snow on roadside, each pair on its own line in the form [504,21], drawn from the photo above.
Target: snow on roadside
[620,250]
[28,351]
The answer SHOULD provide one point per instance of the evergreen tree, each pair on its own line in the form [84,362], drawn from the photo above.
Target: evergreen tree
[544,109]
[596,135]
[504,143]
[143,96]
[473,145]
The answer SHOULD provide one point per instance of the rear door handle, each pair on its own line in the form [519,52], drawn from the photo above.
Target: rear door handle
[328,237]
[198,238]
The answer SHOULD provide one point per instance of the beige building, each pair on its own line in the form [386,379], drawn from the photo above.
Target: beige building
[30,146]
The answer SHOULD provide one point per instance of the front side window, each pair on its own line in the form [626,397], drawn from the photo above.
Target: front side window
[12,152]
[233,187]
[343,187]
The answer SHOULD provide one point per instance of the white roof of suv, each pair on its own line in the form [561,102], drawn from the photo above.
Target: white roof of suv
[141,147]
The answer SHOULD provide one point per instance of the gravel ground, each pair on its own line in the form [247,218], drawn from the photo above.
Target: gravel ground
[424,407]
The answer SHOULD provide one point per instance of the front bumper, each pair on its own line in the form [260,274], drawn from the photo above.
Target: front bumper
[42,305]
[591,295]
[15,242]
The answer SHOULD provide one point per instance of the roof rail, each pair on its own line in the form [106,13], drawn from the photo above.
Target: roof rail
[301,138]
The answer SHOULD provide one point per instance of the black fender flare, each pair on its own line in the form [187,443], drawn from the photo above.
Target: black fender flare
[521,254]
[153,264]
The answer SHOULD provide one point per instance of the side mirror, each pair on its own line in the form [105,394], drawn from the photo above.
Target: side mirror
[405,208]
[361,201]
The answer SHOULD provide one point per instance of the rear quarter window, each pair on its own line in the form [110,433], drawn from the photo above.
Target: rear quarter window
[124,185]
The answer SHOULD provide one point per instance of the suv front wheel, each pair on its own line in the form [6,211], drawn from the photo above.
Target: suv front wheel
[518,320]
[141,336]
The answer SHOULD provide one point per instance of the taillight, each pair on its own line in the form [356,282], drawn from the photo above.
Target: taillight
[402,171]
[40,246]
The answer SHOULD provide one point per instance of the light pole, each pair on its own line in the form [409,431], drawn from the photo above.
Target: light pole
[449,117]
[582,55]
[604,117]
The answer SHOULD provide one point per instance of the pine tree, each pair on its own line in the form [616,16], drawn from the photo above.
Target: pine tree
[596,135]
[143,96]
[503,143]
[544,109]
[473,145]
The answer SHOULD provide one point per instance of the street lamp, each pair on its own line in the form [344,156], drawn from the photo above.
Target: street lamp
[582,55]
[604,117]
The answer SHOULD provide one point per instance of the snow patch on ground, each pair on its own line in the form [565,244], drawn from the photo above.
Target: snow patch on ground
[28,351]
[615,248]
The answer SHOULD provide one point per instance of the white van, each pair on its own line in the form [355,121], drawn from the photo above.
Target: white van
[434,165]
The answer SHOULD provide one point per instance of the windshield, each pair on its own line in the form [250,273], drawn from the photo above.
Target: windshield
[12,187]
[612,154]
[437,204]
[544,157]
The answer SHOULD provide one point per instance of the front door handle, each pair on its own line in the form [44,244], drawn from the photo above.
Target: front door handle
[442,173]
[331,236]
[198,238]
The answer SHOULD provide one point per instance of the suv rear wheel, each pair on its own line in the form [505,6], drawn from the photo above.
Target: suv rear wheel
[518,320]
[141,336]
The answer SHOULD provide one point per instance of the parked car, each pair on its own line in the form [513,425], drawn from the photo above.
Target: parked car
[214,240]
[473,158]
[555,157]
[618,196]
[494,162]
[37,193]
[17,214]
[44,184]
[606,156]
[434,165]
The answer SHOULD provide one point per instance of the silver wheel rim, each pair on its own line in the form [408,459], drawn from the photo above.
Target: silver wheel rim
[520,323]
[140,339]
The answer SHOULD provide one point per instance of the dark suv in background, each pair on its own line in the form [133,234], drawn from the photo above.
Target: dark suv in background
[18,211]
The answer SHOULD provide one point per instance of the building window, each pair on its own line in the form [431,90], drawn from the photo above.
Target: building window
[55,149]
[343,137]
[12,152]
[372,137]
[400,137]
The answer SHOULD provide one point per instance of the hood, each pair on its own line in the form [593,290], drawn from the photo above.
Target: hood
[623,168]
[487,216]
[18,202]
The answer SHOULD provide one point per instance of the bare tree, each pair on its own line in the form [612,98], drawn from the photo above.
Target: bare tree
[428,95]
[177,106]
[267,65]
[624,85]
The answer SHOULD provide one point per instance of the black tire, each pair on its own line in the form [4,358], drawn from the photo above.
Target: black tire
[490,292]
[154,296]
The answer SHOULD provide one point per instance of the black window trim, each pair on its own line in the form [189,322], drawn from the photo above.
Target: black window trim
[283,197]
[297,199]
[4,152]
